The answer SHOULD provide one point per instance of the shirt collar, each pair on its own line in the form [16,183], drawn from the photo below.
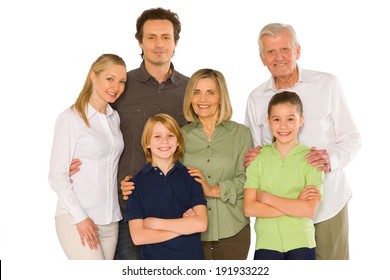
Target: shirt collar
[148,167]
[303,77]
[145,76]
[91,111]
[225,124]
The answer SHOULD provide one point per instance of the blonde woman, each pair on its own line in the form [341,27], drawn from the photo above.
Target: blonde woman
[88,211]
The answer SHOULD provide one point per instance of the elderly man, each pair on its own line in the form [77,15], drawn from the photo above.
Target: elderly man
[329,129]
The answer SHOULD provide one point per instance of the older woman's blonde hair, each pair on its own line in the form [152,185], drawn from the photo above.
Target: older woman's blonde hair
[102,63]
[225,107]
[171,124]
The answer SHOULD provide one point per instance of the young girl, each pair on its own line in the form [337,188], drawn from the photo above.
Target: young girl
[157,209]
[88,209]
[282,190]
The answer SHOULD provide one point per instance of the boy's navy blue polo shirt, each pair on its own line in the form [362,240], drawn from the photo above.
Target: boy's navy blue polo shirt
[167,197]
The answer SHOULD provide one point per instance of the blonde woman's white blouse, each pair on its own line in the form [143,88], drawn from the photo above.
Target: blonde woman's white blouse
[93,192]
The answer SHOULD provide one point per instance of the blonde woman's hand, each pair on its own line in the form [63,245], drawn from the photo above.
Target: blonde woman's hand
[88,231]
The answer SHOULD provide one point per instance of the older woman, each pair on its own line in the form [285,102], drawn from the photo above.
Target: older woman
[214,153]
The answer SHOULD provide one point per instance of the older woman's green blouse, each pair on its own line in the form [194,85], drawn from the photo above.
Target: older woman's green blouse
[221,161]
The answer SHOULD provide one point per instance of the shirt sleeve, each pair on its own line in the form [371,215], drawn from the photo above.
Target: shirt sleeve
[250,121]
[253,174]
[197,196]
[348,140]
[64,144]
[134,207]
[314,177]
[233,189]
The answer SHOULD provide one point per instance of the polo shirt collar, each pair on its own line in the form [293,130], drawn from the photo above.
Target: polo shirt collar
[92,111]
[148,167]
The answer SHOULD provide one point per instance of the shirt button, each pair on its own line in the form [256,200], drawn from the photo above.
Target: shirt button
[209,176]
[208,160]
[208,146]
[209,209]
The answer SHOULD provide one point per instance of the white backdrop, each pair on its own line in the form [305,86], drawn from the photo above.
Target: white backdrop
[46,50]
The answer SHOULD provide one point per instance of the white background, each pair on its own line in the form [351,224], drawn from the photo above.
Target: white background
[47,48]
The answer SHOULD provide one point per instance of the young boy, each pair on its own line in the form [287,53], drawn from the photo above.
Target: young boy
[157,210]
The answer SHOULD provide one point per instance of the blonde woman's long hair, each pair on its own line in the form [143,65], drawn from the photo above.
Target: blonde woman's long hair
[102,63]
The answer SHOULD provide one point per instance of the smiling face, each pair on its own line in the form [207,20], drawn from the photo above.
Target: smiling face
[206,99]
[279,55]
[158,42]
[163,144]
[108,85]
[285,122]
